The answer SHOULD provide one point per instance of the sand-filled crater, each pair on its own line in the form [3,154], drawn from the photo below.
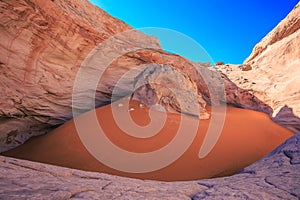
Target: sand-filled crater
[246,137]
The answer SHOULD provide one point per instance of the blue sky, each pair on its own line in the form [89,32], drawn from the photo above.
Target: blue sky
[227,30]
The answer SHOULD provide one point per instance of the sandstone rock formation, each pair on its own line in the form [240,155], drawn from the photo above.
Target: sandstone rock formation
[42,47]
[278,91]
[168,87]
[276,176]
[275,77]
[45,45]
[284,29]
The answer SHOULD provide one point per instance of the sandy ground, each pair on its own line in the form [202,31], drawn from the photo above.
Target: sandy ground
[246,137]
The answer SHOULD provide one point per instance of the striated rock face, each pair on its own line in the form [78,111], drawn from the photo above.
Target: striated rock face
[44,44]
[275,74]
[276,176]
[42,47]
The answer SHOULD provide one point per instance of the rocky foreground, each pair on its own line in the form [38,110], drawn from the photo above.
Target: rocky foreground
[277,176]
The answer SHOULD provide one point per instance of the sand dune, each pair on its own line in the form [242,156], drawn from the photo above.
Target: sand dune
[246,137]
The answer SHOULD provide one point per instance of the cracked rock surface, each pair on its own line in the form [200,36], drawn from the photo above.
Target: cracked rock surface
[277,176]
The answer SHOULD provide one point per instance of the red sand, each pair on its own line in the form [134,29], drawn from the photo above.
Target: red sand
[246,137]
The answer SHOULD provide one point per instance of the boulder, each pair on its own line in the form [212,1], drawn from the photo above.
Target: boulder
[245,67]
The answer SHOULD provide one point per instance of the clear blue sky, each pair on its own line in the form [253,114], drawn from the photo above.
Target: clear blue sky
[227,30]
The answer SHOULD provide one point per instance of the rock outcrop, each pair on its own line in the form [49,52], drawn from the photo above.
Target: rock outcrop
[44,45]
[168,87]
[276,176]
[283,30]
[275,74]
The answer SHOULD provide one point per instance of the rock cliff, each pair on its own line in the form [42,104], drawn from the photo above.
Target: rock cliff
[275,74]
[42,46]
[288,26]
